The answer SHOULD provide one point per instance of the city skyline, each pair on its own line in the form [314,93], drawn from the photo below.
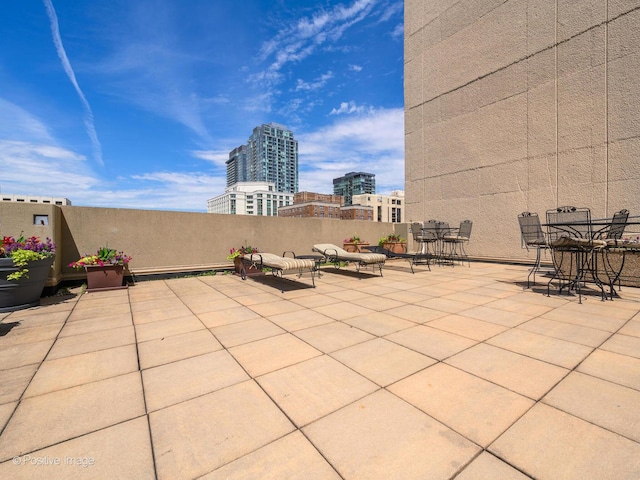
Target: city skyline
[137,105]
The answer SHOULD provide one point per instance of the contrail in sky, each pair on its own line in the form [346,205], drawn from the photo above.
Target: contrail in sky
[88,118]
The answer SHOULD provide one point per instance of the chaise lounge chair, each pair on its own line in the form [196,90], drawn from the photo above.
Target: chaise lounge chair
[416,258]
[335,255]
[279,265]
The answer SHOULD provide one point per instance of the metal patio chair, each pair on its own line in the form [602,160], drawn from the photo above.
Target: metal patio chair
[532,237]
[455,240]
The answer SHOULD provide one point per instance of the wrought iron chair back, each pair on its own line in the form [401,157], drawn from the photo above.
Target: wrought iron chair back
[531,230]
[465,229]
[618,224]
[577,222]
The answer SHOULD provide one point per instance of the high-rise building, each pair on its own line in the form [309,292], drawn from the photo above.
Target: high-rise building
[354,183]
[238,165]
[271,155]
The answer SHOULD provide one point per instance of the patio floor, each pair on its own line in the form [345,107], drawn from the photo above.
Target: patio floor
[454,373]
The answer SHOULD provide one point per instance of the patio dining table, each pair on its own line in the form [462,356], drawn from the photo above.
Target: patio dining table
[580,253]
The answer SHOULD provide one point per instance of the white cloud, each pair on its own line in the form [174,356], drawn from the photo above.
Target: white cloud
[398,32]
[349,108]
[66,65]
[355,68]
[372,142]
[217,157]
[297,42]
[319,82]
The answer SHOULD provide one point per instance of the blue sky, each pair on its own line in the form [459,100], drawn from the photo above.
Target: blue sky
[136,104]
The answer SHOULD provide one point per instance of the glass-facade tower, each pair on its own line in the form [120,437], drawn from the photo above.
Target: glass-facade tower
[271,155]
[354,183]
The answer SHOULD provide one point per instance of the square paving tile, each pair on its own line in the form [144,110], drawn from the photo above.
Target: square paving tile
[623,344]
[333,336]
[274,308]
[585,319]
[467,327]
[227,316]
[311,389]
[159,314]
[548,443]
[165,328]
[467,297]
[25,354]
[58,416]
[475,408]
[293,321]
[68,372]
[195,437]
[632,327]
[120,451]
[245,332]
[379,323]
[445,305]
[185,379]
[416,313]
[274,353]
[14,381]
[378,303]
[616,368]
[552,350]
[88,325]
[291,457]
[381,436]
[597,401]
[342,310]
[6,410]
[495,315]
[20,335]
[381,361]
[566,331]
[488,467]
[176,347]
[516,372]
[431,341]
[89,342]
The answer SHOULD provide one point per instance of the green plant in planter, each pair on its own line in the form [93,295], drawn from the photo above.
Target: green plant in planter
[391,238]
[25,250]
[104,256]
[241,252]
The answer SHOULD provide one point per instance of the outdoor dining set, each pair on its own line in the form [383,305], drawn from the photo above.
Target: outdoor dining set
[583,249]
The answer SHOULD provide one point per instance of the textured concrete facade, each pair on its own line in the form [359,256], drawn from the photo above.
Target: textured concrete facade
[520,105]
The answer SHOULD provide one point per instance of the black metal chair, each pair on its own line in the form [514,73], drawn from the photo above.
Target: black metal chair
[454,242]
[574,248]
[424,238]
[532,237]
[612,234]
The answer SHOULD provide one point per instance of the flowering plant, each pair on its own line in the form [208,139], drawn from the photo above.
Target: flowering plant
[631,239]
[104,256]
[354,239]
[24,250]
[391,238]
[239,252]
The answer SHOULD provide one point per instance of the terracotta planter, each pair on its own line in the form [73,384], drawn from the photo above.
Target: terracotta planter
[354,247]
[109,277]
[396,247]
[237,267]
[23,293]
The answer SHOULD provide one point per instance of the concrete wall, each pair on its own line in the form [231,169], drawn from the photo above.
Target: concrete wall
[161,241]
[520,105]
